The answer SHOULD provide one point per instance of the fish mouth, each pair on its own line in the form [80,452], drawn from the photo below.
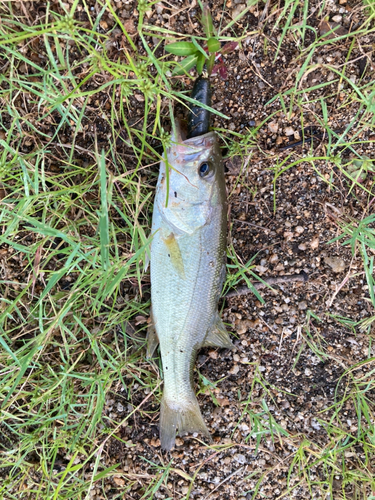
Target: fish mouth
[198,121]
[180,130]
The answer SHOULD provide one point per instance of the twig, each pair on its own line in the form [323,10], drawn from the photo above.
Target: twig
[237,471]
[244,290]
[308,138]
[265,11]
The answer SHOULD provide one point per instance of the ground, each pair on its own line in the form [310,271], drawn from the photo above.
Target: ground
[86,96]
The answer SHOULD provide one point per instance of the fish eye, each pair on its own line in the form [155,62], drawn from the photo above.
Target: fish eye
[205,169]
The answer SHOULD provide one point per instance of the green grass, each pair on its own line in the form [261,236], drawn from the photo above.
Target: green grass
[75,234]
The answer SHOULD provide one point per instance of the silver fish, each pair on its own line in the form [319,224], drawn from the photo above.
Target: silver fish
[188,253]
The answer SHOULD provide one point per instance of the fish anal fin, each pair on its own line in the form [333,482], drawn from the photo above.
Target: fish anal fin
[180,420]
[174,253]
[218,336]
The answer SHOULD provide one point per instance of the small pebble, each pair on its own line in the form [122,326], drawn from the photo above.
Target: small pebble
[314,244]
[288,131]
[234,370]
[202,359]
[260,269]
[288,235]
[274,258]
[213,354]
[302,306]
[119,481]
[240,458]
[130,26]
[159,8]
[274,127]
[337,264]
[238,9]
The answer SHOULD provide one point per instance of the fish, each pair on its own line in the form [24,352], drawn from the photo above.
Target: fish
[187,269]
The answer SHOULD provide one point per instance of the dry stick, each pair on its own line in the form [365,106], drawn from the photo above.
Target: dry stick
[265,11]
[244,290]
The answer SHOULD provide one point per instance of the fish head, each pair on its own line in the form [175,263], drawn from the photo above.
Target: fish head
[195,183]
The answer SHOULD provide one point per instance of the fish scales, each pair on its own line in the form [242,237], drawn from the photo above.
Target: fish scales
[188,252]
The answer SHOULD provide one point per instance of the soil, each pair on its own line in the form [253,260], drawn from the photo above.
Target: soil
[296,358]
[269,336]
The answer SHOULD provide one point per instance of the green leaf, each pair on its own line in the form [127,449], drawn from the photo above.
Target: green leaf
[213,45]
[185,65]
[210,63]
[105,472]
[199,48]
[208,25]
[181,48]
[200,63]
[104,218]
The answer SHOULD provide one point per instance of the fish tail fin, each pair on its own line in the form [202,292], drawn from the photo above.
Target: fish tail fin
[181,420]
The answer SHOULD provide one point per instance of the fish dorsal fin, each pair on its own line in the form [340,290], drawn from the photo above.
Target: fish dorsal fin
[218,335]
[174,253]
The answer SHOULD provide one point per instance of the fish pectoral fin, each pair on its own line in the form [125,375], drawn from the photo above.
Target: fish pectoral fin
[148,251]
[152,341]
[174,253]
[218,336]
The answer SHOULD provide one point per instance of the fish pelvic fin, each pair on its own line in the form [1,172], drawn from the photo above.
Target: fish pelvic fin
[147,261]
[152,339]
[174,253]
[181,420]
[218,336]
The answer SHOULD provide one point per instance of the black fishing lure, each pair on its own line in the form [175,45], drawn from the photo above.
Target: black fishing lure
[199,118]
